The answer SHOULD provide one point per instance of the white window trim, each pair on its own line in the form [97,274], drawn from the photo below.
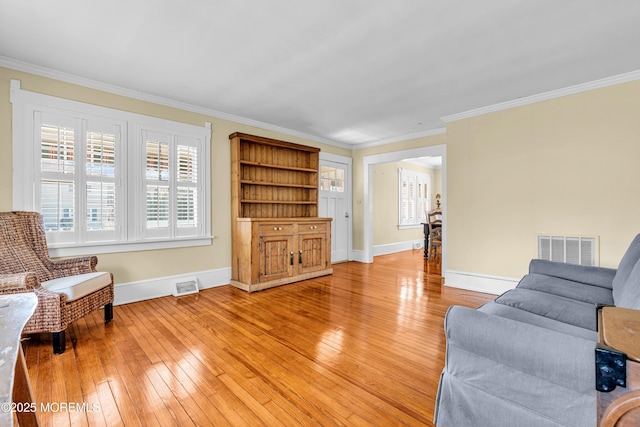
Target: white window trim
[415,174]
[25,102]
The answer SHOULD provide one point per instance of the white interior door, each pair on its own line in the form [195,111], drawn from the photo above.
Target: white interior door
[333,201]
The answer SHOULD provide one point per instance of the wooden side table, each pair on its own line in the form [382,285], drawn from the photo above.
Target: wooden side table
[16,396]
[619,328]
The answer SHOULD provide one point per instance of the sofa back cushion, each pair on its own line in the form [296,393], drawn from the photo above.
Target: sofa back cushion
[626,266]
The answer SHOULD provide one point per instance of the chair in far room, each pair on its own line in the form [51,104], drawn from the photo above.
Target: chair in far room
[434,227]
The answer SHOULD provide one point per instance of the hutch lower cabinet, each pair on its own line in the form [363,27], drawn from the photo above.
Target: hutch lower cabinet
[272,252]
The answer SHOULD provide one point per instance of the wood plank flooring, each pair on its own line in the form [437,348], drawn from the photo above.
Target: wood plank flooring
[363,347]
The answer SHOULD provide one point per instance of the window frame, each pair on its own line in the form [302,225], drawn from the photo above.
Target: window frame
[417,178]
[131,202]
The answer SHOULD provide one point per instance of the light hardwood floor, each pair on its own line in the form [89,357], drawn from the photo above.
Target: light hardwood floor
[364,346]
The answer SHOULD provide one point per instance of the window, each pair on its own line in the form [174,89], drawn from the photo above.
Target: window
[414,200]
[332,179]
[104,177]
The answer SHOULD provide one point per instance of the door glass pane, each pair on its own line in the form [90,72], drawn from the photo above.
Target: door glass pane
[332,179]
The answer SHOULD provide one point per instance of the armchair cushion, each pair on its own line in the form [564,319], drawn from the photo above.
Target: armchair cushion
[74,287]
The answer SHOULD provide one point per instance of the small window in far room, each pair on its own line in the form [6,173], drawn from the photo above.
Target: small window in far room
[413,197]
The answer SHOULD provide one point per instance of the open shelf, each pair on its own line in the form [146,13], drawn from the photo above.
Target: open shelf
[271,172]
[273,166]
[275,184]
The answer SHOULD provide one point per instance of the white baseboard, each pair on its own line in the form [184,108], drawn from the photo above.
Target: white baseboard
[391,248]
[479,282]
[141,290]
[357,255]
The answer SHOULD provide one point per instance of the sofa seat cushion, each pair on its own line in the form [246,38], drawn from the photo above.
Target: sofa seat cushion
[512,313]
[563,309]
[567,288]
[77,286]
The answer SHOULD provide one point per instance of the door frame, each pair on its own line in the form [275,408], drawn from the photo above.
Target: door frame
[348,161]
[396,156]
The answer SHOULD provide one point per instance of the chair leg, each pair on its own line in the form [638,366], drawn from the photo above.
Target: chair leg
[59,342]
[108,312]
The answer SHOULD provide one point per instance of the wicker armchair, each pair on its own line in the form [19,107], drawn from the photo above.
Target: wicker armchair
[67,289]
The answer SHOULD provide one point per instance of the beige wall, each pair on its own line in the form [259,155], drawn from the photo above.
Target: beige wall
[566,166]
[134,266]
[385,202]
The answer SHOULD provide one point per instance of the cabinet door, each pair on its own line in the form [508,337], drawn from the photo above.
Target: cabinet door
[275,257]
[312,252]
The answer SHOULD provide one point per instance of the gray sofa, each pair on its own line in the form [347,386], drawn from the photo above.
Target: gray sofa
[527,358]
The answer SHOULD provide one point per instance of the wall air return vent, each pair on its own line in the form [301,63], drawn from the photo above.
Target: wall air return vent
[185,287]
[569,249]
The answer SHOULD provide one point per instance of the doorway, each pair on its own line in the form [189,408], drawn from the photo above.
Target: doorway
[369,161]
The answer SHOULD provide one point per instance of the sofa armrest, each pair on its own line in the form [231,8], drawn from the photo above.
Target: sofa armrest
[552,356]
[595,276]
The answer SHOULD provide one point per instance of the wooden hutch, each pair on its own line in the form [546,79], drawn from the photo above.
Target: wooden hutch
[277,237]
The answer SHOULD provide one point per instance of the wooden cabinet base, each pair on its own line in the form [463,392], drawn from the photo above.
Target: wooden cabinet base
[270,252]
[252,287]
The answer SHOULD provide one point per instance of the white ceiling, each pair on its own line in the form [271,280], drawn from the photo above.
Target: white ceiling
[347,71]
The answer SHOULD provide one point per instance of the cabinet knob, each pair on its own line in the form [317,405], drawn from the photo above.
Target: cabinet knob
[277,228]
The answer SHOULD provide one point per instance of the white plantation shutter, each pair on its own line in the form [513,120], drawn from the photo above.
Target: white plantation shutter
[422,198]
[103,197]
[57,189]
[413,197]
[157,184]
[404,199]
[172,182]
[77,173]
[103,177]
[187,186]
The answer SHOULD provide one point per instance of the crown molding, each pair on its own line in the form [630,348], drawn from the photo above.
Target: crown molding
[570,90]
[135,94]
[407,137]
[131,93]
